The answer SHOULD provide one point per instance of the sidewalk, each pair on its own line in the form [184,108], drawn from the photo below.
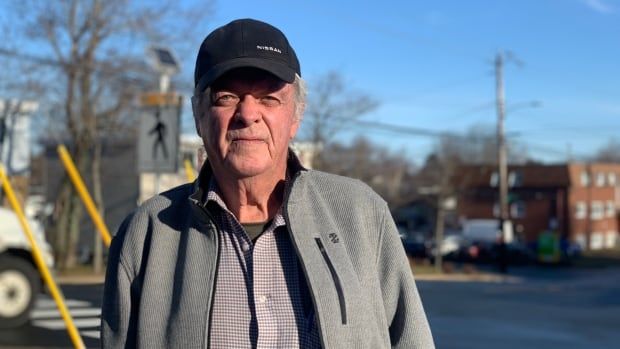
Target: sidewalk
[457,272]
[423,274]
[80,279]
[467,277]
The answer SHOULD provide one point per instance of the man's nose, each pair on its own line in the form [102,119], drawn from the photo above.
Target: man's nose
[248,110]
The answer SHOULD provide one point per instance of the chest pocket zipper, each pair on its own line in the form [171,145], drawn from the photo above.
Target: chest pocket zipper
[337,283]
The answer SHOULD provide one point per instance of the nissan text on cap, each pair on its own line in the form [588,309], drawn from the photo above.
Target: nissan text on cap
[245,43]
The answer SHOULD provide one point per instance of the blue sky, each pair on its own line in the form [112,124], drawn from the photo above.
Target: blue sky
[429,64]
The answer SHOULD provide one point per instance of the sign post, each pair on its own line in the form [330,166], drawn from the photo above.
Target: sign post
[158,145]
[158,138]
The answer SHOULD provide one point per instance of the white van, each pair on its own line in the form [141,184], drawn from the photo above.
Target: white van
[20,282]
[487,230]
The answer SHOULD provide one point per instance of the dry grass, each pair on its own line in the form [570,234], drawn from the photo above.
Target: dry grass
[423,266]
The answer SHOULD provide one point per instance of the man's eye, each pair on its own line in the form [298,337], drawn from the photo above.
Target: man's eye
[226,100]
[270,101]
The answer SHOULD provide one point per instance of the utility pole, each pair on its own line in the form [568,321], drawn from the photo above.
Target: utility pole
[501,139]
[501,160]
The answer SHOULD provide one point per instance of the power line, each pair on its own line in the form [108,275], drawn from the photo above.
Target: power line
[23,56]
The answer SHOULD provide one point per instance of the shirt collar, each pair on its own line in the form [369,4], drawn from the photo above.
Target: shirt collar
[205,182]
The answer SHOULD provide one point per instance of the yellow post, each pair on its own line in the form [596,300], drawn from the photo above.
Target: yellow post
[83,192]
[189,171]
[38,259]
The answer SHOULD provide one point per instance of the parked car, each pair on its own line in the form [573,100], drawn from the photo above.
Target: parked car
[416,243]
[20,283]
[451,246]
[479,241]
[487,230]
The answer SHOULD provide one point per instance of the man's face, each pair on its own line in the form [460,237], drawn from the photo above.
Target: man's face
[247,127]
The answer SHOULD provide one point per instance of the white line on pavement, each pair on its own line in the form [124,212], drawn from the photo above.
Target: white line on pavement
[92,334]
[58,324]
[49,304]
[47,313]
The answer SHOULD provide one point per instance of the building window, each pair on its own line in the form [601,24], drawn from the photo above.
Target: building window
[496,212]
[585,178]
[597,241]
[580,210]
[600,179]
[598,211]
[611,209]
[580,239]
[611,178]
[517,209]
[515,179]
[494,180]
[611,239]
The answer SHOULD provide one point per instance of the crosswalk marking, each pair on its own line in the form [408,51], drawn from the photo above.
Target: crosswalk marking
[57,324]
[46,313]
[91,334]
[48,303]
[85,317]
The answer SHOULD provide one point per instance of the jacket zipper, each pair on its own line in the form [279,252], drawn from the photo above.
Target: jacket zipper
[337,283]
[303,266]
[217,264]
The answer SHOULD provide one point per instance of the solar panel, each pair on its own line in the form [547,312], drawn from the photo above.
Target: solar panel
[165,57]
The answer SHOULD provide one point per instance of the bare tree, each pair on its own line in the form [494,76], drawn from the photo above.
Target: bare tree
[436,184]
[609,152]
[86,59]
[389,173]
[479,146]
[332,106]
[437,177]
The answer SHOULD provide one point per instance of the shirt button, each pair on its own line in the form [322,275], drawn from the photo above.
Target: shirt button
[245,247]
[262,299]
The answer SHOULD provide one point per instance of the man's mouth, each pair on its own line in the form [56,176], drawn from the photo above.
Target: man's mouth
[247,140]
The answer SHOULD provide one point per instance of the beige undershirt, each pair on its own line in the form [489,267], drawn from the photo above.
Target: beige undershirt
[254,230]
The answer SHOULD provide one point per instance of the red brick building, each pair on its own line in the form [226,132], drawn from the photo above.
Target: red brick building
[582,201]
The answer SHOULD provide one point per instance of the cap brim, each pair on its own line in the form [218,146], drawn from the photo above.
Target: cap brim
[280,70]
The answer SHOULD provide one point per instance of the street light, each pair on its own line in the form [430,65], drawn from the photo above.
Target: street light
[505,222]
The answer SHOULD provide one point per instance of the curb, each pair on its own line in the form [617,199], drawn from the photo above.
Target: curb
[446,277]
[475,277]
[80,279]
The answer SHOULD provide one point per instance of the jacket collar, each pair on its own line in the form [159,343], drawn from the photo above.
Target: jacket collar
[201,184]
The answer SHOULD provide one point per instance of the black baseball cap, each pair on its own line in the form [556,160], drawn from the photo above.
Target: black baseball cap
[245,43]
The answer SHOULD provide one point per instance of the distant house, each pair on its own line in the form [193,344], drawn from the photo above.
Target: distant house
[580,201]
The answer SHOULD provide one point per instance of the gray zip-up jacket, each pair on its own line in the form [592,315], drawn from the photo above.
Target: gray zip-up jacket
[163,261]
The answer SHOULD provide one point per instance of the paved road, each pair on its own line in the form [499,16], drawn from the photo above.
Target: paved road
[540,308]
[547,308]
[47,329]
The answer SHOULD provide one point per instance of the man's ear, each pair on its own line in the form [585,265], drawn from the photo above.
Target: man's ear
[197,113]
[294,129]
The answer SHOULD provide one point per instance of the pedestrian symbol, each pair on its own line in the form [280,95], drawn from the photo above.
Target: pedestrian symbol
[158,139]
[159,132]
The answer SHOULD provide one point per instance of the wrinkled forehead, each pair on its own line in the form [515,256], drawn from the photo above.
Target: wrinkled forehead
[249,78]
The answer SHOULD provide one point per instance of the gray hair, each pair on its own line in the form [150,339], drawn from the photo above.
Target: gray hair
[301,93]
[203,100]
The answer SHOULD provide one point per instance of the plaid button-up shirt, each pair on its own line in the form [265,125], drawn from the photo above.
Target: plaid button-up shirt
[261,299]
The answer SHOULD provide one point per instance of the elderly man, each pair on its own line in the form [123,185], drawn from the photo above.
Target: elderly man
[259,252]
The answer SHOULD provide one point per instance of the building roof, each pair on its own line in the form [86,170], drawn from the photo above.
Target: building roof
[534,175]
[540,176]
